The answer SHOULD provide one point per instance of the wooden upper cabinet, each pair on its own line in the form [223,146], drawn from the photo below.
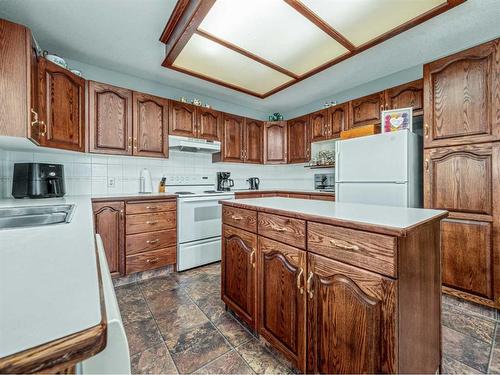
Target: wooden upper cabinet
[465,180]
[351,318]
[462,97]
[282,299]
[182,119]
[238,287]
[61,107]
[408,95]
[232,138]
[366,110]
[109,224]
[254,141]
[110,119]
[19,83]
[208,124]
[299,144]
[275,142]
[319,125]
[337,121]
[150,120]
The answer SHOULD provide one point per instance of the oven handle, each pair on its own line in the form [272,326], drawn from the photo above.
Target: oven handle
[205,199]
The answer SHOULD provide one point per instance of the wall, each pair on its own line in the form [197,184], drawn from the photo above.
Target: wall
[95,73]
[380,84]
[88,173]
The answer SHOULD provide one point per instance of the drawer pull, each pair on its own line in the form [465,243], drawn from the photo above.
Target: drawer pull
[278,229]
[151,207]
[152,222]
[344,246]
[151,242]
[309,285]
[252,260]
[234,217]
[299,281]
[152,260]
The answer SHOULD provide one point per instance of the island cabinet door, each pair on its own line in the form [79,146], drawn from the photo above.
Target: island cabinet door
[238,268]
[282,299]
[351,319]
[109,224]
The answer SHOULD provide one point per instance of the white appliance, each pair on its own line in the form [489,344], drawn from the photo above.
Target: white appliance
[187,144]
[199,220]
[383,169]
[115,358]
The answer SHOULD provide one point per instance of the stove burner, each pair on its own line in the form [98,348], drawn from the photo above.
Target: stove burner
[183,192]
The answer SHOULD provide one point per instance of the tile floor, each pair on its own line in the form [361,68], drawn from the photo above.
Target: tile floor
[176,323]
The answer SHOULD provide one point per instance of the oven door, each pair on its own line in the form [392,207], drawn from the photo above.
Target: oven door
[199,217]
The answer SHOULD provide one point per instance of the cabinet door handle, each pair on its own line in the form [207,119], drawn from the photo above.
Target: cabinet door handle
[152,222]
[252,258]
[299,281]
[135,143]
[35,117]
[152,242]
[426,164]
[129,142]
[345,246]
[426,130]
[151,207]
[277,228]
[236,217]
[152,260]
[43,126]
[310,292]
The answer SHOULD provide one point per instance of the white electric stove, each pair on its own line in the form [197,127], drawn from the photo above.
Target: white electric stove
[199,220]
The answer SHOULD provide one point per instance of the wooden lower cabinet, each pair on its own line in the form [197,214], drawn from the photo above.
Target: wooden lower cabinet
[239,273]
[351,319]
[282,300]
[110,225]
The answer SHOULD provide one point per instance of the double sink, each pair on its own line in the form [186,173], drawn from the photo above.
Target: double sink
[33,216]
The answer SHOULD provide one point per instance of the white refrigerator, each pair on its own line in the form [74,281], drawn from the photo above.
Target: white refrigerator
[383,169]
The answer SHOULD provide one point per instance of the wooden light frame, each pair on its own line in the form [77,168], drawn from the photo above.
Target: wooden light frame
[188,15]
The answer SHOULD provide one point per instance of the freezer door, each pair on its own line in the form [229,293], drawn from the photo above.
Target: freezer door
[375,158]
[385,194]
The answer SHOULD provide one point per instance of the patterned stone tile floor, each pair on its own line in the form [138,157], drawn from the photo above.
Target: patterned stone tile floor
[176,323]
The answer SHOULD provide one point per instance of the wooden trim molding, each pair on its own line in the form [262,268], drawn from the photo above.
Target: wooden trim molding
[189,14]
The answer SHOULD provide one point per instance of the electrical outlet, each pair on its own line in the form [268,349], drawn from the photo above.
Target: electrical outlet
[111,182]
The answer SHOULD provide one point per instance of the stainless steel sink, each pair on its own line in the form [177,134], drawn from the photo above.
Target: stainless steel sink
[19,217]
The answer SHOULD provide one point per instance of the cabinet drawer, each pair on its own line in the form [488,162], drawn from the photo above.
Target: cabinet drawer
[151,259]
[146,207]
[150,222]
[374,252]
[284,229]
[138,243]
[239,217]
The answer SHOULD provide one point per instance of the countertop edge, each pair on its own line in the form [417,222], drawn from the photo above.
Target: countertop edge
[375,228]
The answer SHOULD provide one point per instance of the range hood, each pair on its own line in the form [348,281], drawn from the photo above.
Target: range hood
[193,144]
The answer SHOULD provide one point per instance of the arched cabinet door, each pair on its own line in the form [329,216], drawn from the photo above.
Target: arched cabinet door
[254,141]
[298,138]
[238,269]
[232,138]
[351,319]
[109,224]
[182,119]
[208,124]
[275,142]
[282,298]
[62,107]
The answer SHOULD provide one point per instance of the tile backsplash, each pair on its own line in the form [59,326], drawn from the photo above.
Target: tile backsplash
[100,174]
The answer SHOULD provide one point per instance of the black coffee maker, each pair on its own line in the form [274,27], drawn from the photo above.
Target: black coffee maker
[224,183]
[38,180]
[254,183]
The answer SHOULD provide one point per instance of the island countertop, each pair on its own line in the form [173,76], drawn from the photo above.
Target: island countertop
[386,219]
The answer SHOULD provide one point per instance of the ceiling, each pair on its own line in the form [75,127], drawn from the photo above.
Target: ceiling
[122,35]
[261,47]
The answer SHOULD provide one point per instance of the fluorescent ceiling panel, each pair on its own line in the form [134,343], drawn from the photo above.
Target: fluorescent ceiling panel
[273,30]
[363,20]
[213,60]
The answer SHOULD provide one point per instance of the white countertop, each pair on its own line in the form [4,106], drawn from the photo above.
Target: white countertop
[48,278]
[395,217]
[305,191]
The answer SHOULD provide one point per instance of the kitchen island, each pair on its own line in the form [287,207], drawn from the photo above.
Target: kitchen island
[336,287]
